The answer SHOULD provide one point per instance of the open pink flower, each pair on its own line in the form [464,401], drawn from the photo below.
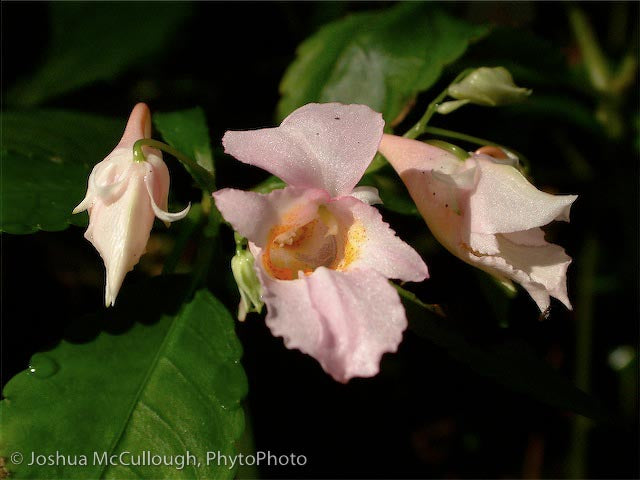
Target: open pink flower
[123,198]
[486,213]
[323,255]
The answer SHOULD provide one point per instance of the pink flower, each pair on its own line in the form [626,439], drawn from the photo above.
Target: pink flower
[123,198]
[323,255]
[486,213]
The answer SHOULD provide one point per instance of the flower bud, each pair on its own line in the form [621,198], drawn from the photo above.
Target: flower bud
[123,198]
[248,283]
[490,87]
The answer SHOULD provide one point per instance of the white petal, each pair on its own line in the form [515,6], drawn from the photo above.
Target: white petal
[160,213]
[368,195]
[504,201]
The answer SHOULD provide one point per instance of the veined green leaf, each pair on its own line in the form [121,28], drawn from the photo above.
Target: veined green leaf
[382,59]
[170,384]
[46,159]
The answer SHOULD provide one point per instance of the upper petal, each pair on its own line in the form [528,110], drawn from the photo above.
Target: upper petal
[327,146]
[406,154]
[345,320]
[254,214]
[504,201]
[373,244]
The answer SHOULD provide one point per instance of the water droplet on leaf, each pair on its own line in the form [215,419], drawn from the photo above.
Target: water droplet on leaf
[42,366]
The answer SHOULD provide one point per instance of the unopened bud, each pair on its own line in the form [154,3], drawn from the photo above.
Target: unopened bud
[491,87]
[248,283]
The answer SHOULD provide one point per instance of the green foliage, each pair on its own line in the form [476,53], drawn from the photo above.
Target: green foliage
[392,191]
[46,159]
[269,184]
[170,383]
[187,131]
[508,362]
[94,41]
[382,59]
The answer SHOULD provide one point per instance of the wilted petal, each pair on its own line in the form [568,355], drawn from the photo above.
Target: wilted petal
[253,215]
[504,201]
[345,320]
[326,146]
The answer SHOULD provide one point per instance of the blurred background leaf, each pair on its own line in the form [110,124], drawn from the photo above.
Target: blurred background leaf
[382,59]
[510,363]
[92,41]
[46,159]
[393,193]
[187,131]
[163,378]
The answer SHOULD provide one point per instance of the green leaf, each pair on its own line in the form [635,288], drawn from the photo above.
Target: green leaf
[382,59]
[392,191]
[269,184]
[170,384]
[94,41]
[187,131]
[46,159]
[507,362]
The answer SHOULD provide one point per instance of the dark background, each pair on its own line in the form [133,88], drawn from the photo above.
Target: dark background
[425,415]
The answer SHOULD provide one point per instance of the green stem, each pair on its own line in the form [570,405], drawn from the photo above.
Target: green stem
[204,178]
[442,132]
[420,126]
[626,74]
[592,54]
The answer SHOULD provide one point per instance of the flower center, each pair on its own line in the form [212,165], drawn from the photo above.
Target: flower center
[322,242]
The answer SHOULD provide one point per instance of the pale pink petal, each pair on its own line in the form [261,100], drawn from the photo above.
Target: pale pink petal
[138,126]
[375,245]
[504,201]
[540,267]
[162,214]
[107,180]
[254,214]
[157,182]
[345,320]
[327,146]
[366,194]
[407,154]
[160,178]
[120,230]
